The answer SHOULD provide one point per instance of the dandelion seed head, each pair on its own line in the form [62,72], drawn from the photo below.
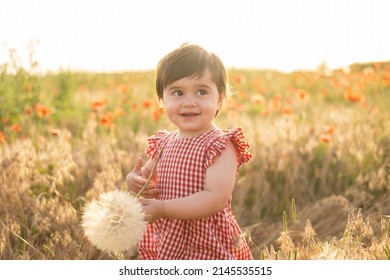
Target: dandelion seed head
[114,222]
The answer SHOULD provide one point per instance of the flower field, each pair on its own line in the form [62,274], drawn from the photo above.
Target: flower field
[318,186]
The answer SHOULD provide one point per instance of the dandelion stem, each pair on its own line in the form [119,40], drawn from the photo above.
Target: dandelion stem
[150,175]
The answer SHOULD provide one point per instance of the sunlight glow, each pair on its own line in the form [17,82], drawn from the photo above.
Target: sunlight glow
[103,35]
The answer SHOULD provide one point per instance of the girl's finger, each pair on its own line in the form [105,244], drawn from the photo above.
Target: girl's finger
[143,201]
[151,193]
[140,180]
[138,166]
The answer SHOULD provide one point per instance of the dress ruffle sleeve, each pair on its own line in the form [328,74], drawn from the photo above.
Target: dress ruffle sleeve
[154,143]
[218,144]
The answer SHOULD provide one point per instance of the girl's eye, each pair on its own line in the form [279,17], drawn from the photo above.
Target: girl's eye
[177,93]
[202,92]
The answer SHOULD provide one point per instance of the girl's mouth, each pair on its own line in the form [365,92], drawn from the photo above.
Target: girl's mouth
[189,114]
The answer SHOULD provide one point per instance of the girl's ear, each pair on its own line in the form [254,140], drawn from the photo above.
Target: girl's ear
[161,103]
[221,98]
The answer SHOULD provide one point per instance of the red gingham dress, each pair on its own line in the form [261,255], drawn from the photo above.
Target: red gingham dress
[181,172]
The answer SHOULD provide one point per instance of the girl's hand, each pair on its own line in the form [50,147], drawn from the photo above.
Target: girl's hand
[137,178]
[153,209]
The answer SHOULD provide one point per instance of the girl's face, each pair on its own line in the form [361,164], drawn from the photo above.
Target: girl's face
[191,104]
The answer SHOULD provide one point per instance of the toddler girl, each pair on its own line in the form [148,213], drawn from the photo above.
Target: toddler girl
[189,205]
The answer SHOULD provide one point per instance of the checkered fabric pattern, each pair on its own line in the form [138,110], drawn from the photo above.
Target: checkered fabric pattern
[181,172]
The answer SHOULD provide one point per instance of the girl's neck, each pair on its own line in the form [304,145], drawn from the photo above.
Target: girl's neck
[189,134]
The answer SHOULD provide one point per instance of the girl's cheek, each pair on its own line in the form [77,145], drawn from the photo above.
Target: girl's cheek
[170,105]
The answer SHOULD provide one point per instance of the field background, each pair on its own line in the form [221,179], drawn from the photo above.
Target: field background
[318,186]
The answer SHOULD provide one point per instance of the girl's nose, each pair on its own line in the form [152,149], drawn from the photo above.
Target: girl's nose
[189,102]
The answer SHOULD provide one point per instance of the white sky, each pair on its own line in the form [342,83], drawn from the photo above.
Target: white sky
[106,35]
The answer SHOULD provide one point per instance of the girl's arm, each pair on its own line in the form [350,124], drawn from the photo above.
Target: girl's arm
[220,180]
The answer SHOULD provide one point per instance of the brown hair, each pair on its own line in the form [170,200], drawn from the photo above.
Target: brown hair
[189,61]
